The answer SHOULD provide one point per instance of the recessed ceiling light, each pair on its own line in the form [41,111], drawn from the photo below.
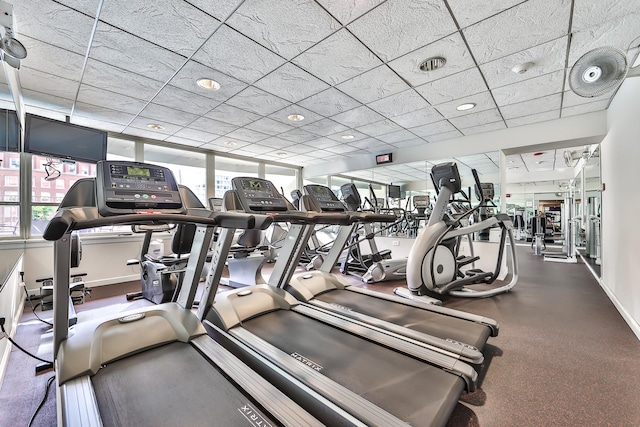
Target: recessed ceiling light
[464,107]
[539,162]
[208,84]
[229,143]
[296,117]
[348,136]
[522,68]
[281,154]
[155,126]
[432,63]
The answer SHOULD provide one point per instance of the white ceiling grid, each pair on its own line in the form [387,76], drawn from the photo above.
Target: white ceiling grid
[350,68]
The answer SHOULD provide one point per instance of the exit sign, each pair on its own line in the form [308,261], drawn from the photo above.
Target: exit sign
[384,158]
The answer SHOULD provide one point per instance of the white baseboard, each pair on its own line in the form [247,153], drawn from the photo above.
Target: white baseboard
[633,323]
[4,360]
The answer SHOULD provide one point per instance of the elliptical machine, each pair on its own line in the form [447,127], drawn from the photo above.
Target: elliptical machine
[435,266]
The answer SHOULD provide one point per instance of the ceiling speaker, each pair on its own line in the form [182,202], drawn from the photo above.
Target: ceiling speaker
[598,72]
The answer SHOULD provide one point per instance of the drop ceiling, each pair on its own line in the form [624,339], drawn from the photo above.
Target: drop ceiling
[350,68]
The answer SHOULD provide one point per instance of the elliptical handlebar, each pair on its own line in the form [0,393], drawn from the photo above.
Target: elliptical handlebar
[476,178]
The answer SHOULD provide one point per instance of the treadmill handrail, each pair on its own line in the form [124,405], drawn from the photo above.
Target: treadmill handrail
[311,217]
[368,217]
[67,220]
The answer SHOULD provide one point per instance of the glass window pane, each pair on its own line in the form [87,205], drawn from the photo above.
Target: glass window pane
[226,169]
[40,216]
[9,220]
[188,167]
[53,178]
[285,179]
[120,149]
[9,177]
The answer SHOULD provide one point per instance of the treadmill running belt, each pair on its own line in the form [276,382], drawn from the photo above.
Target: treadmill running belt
[169,386]
[424,321]
[413,391]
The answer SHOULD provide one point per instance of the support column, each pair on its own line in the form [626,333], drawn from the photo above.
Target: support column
[210,171]
[503,182]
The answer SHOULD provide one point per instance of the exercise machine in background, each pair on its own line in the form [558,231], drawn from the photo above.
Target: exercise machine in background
[435,266]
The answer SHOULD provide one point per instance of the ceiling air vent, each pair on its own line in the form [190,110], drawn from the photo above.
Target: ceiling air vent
[432,63]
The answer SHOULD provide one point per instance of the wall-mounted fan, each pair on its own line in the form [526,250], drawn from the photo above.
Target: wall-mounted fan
[600,71]
[571,158]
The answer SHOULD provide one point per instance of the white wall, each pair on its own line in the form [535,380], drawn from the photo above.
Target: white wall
[620,160]
[11,298]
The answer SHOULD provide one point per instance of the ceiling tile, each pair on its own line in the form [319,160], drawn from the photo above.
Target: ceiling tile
[546,58]
[247,135]
[297,135]
[188,76]
[169,115]
[534,118]
[324,127]
[483,101]
[102,113]
[219,9]
[225,145]
[357,136]
[182,30]
[452,87]
[144,133]
[287,28]
[322,143]
[276,143]
[528,24]
[142,122]
[534,106]
[53,22]
[230,114]
[399,104]
[238,56]
[425,131]
[171,96]
[206,124]
[452,48]
[536,87]
[139,56]
[257,149]
[584,108]
[269,126]
[487,127]
[110,100]
[283,116]
[357,117]
[592,13]
[372,85]
[55,86]
[51,59]
[399,136]
[44,100]
[195,135]
[476,119]
[418,118]
[257,101]
[379,128]
[183,141]
[88,7]
[570,99]
[619,32]
[291,83]
[97,124]
[397,27]
[342,149]
[337,58]
[329,102]
[347,11]
[107,77]
[469,12]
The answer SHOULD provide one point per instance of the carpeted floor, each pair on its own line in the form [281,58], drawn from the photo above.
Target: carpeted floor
[564,355]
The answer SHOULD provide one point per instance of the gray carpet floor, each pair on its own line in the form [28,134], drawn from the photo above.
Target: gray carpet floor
[564,355]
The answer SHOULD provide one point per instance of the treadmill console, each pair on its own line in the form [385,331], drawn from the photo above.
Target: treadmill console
[446,174]
[323,197]
[130,187]
[421,201]
[350,196]
[258,195]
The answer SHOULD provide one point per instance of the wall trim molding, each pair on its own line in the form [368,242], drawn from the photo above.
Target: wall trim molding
[633,323]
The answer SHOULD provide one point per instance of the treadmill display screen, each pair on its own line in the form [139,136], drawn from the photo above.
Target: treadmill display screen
[255,186]
[138,171]
[321,193]
[324,198]
[258,195]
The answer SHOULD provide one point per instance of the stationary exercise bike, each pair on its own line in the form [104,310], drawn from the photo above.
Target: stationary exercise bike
[435,266]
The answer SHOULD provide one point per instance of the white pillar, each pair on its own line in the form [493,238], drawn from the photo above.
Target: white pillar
[503,182]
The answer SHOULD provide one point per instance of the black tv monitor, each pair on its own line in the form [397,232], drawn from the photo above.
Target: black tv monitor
[393,191]
[64,141]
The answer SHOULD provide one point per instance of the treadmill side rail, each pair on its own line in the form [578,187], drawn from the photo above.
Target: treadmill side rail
[77,403]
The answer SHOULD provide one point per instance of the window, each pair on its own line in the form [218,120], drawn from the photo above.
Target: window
[285,179]
[45,196]
[9,220]
[227,168]
[11,180]
[60,183]
[120,149]
[11,196]
[44,183]
[188,167]
[14,162]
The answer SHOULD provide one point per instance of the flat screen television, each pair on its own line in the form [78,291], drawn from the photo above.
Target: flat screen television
[64,141]
[393,191]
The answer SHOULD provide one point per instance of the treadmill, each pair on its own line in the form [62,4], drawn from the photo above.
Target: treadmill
[155,365]
[461,333]
[374,375]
